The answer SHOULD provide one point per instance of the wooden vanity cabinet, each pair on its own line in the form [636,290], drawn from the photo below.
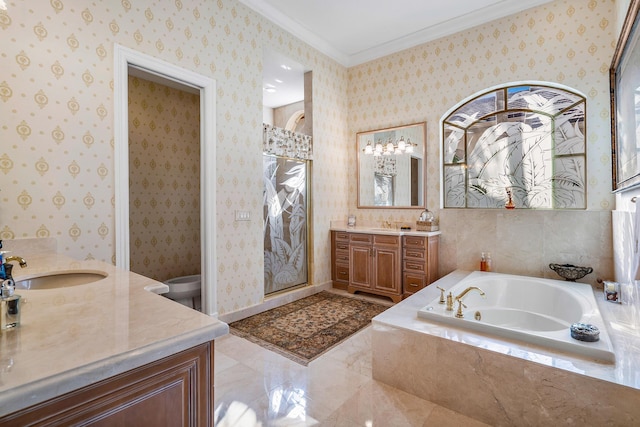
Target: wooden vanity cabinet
[419,262]
[375,265]
[383,264]
[174,391]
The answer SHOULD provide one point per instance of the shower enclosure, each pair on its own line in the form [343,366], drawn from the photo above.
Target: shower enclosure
[286,160]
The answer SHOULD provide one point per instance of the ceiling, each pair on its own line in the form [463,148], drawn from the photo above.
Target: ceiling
[356,31]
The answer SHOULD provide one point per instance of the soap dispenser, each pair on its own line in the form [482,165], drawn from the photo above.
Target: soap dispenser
[9,305]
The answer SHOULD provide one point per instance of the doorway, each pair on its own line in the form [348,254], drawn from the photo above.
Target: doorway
[126,60]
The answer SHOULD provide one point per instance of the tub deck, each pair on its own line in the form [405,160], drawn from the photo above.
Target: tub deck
[512,309]
[503,381]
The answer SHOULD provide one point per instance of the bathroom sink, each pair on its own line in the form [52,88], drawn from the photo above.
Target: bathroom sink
[60,280]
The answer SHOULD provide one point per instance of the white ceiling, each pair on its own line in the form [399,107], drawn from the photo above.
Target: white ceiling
[356,31]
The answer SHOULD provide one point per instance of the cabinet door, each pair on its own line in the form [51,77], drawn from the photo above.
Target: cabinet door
[432,260]
[174,391]
[386,267]
[360,266]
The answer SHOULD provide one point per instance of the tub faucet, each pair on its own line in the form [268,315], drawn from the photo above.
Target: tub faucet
[462,294]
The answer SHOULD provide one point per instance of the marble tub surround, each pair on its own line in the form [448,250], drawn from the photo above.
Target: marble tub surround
[71,337]
[507,382]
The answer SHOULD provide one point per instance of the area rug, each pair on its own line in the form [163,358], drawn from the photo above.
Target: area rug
[305,329]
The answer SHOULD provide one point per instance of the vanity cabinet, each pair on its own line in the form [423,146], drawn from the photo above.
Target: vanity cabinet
[174,391]
[375,265]
[419,262]
[395,266]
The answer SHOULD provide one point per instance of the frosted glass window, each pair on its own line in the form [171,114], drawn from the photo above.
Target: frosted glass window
[526,140]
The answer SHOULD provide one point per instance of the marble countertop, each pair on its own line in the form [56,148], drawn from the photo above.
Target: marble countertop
[623,325]
[381,230]
[75,336]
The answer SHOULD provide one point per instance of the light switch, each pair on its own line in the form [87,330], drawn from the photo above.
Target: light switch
[243,216]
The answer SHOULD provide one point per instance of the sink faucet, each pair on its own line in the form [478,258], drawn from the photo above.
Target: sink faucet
[462,294]
[386,224]
[21,261]
[7,267]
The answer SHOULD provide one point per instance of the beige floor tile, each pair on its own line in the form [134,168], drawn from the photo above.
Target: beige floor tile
[336,389]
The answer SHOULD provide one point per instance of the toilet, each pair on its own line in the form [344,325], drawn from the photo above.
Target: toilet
[185,290]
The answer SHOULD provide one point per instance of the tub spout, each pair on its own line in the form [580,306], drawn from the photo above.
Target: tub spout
[462,294]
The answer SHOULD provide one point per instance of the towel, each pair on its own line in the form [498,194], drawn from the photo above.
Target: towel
[636,243]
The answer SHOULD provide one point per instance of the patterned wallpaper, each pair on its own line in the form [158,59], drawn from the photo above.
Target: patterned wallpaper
[164,180]
[56,127]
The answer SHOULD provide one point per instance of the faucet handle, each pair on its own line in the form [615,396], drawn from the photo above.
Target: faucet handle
[441,295]
[459,313]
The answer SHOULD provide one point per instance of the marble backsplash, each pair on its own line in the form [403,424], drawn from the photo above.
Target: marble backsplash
[525,242]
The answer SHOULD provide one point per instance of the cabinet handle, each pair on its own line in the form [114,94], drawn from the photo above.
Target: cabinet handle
[343,273]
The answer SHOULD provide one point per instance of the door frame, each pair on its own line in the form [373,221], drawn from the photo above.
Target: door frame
[124,59]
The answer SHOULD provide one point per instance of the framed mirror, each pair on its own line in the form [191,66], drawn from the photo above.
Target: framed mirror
[391,167]
[625,114]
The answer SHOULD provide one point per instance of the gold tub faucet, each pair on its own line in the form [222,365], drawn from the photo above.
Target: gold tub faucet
[462,294]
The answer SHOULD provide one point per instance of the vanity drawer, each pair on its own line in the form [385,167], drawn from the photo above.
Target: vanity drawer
[341,235]
[361,238]
[417,266]
[383,239]
[342,246]
[413,282]
[343,256]
[414,241]
[411,254]
[342,273]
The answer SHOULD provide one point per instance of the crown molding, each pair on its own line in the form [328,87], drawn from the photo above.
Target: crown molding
[442,29]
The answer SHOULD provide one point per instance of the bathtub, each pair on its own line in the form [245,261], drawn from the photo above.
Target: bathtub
[534,310]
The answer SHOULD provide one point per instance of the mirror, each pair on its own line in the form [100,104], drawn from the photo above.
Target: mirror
[391,166]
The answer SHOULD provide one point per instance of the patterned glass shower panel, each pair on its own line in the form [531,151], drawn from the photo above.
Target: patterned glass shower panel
[285,223]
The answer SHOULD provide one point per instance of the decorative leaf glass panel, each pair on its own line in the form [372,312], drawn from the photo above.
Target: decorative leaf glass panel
[285,222]
[527,139]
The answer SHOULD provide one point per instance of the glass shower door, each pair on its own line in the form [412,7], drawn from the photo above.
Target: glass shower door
[285,223]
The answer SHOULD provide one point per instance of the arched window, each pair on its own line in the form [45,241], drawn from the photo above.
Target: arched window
[526,142]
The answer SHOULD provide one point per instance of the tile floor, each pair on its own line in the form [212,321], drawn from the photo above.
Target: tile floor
[336,389]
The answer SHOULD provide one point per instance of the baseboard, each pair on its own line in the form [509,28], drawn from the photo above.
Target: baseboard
[275,301]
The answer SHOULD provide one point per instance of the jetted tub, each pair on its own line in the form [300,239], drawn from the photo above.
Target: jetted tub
[539,311]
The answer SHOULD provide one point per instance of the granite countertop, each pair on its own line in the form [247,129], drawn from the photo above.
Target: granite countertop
[621,319]
[75,336]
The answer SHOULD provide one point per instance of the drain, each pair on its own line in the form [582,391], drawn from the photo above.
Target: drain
[478,316]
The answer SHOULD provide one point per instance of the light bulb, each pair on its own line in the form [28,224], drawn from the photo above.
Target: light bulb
[401,144]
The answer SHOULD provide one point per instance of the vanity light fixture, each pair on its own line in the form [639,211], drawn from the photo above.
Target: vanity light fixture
[3,5]
[388,148]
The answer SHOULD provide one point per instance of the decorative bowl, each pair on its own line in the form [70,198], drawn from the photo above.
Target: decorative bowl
[570,272]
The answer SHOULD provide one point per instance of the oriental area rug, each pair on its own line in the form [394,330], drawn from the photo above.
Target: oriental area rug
[305,329]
